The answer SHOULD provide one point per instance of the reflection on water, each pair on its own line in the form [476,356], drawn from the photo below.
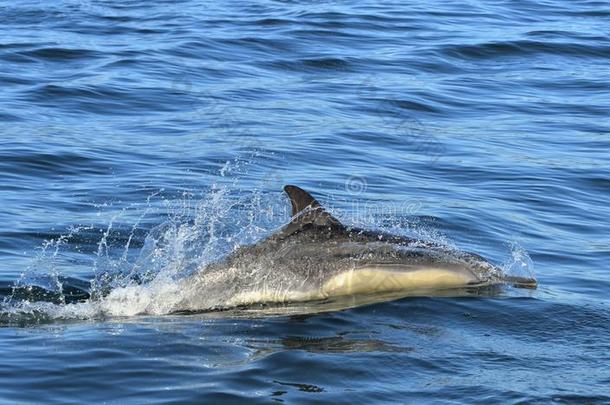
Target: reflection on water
[337,344]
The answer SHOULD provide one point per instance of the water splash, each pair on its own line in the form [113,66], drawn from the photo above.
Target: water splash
[140,269]
[134,266]
[519,263]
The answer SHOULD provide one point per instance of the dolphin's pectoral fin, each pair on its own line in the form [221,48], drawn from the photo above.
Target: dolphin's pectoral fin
[306,210]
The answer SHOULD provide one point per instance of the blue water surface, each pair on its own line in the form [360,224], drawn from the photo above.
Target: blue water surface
[127,126]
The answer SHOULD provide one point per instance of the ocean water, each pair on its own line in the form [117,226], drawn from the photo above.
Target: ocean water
[140,141]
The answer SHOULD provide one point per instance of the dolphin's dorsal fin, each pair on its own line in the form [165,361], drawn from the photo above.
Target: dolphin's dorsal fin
[306,210]
[300,199]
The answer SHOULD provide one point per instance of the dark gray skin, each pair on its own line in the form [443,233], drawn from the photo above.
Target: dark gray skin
[315,246]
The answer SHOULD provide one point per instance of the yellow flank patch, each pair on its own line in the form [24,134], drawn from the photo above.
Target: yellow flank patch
[372,280]
[364,281]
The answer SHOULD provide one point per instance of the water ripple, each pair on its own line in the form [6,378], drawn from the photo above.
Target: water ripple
[143,139]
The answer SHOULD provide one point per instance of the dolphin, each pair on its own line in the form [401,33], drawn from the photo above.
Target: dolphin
[315,257]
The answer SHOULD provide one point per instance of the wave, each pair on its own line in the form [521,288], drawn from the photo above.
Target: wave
[524,48]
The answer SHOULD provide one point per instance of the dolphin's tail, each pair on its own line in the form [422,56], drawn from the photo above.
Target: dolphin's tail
[521,282]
